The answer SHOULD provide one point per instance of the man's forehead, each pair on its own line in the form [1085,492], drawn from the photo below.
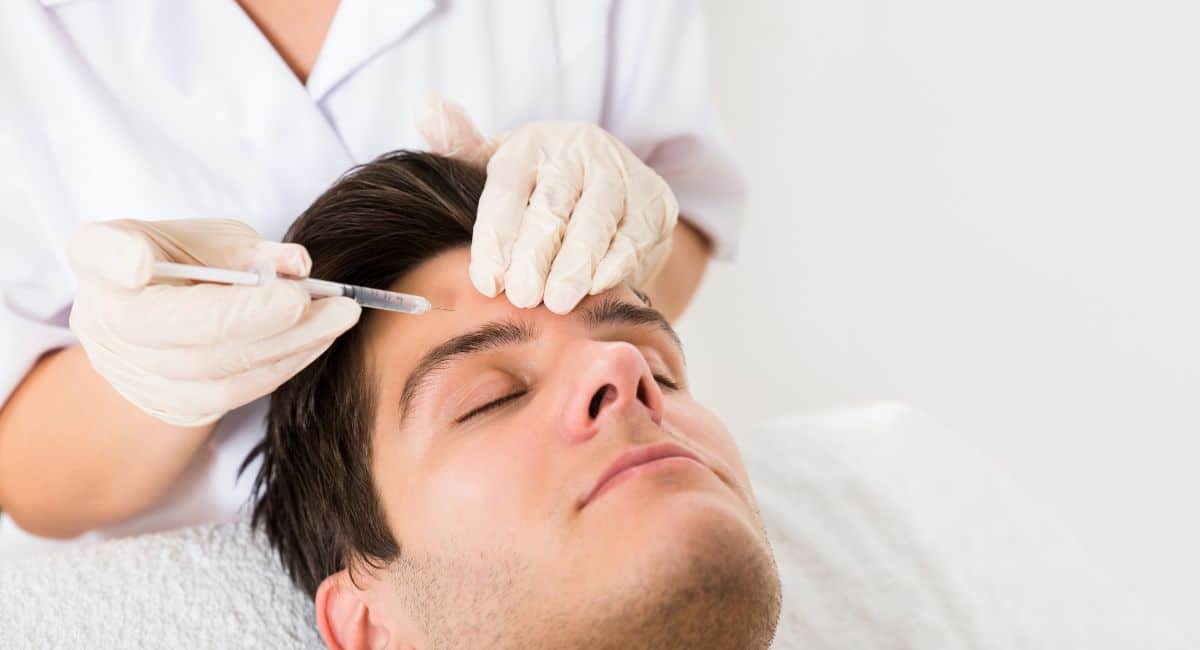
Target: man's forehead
[402,339]
[471,310]
[444,280]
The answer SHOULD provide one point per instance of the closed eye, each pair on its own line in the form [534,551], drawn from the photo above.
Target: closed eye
[489,406]
[667,383]
[664,381]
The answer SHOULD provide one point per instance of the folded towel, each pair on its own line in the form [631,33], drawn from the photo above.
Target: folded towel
[888,533]
[213,586]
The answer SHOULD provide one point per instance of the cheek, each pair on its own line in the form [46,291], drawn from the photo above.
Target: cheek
[478,486]
[471,480]
[700,425]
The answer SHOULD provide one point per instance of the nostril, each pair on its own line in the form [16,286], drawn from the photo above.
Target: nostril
[641,392]
[599,398]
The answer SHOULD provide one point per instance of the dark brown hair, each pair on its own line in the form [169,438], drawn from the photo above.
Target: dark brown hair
[314,496]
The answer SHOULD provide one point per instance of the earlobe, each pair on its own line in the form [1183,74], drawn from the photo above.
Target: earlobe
[344,617]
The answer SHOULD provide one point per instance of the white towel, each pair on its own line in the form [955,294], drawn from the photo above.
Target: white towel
[888,534]
[203,587]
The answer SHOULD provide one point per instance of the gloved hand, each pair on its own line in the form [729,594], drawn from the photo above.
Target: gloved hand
[188,353]
[567,210]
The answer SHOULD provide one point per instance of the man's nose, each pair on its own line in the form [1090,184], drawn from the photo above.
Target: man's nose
[616,382]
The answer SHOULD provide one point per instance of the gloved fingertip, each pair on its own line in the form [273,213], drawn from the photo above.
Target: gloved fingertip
[522,295]
[485,280]
[561,298]
[287,301]
[328,318]
[142,266]
[346,311]
[524,284]
[299,260]
[605,278]
[429,103]
[519,301]
[431,122]
[449,131]
[115,255]
[289,259]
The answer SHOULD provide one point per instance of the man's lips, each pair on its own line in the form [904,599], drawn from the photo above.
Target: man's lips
[634,458]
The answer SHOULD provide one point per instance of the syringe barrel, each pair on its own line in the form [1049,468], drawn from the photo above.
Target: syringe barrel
[323,288]
[389,300]
[368,297]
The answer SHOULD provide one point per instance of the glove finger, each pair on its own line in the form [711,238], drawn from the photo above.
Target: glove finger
[589,235]
[512,174]
[170,401]
[231,392]
[541,234]
[188,399]
[325,320]
[449,131]
[112,253]
[203,402]
[288,259]
[174,402]
[221,243]
[166,316]
[639,231]
[122,252]
[652,263]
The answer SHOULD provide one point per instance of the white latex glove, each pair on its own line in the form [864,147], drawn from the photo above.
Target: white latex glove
[189,353]
[567,211]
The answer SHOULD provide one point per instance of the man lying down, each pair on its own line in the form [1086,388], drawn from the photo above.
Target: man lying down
[489,476]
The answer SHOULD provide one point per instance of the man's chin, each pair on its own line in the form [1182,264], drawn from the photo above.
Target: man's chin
[696,573]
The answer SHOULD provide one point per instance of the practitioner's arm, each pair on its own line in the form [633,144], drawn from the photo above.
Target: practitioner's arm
[672,290]
[75,455]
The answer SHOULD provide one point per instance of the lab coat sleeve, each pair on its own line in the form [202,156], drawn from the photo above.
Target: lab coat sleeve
[33,318]
[36,285]
[658,102]
[36,288]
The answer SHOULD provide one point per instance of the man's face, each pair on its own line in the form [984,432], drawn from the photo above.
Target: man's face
[490,461]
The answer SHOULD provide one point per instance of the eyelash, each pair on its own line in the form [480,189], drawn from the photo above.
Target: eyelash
[479,410]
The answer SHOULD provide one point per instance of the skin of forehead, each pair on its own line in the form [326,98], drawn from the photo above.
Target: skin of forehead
[397,341]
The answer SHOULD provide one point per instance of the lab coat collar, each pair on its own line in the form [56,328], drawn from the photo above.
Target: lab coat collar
[360,30]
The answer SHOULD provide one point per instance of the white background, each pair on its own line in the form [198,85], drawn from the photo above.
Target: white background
[988,209]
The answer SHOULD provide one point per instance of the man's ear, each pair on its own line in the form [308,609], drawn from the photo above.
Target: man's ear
[344,617]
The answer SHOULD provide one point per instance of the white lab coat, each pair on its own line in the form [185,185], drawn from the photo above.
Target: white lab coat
[182,109]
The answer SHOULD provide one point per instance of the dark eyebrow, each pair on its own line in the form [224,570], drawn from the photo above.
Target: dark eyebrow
[498,334]
[489,336]
[614,311]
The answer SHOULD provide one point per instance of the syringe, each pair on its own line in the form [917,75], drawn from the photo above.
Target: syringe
[365,296]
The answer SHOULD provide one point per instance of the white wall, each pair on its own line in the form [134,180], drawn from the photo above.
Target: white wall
[988,209]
